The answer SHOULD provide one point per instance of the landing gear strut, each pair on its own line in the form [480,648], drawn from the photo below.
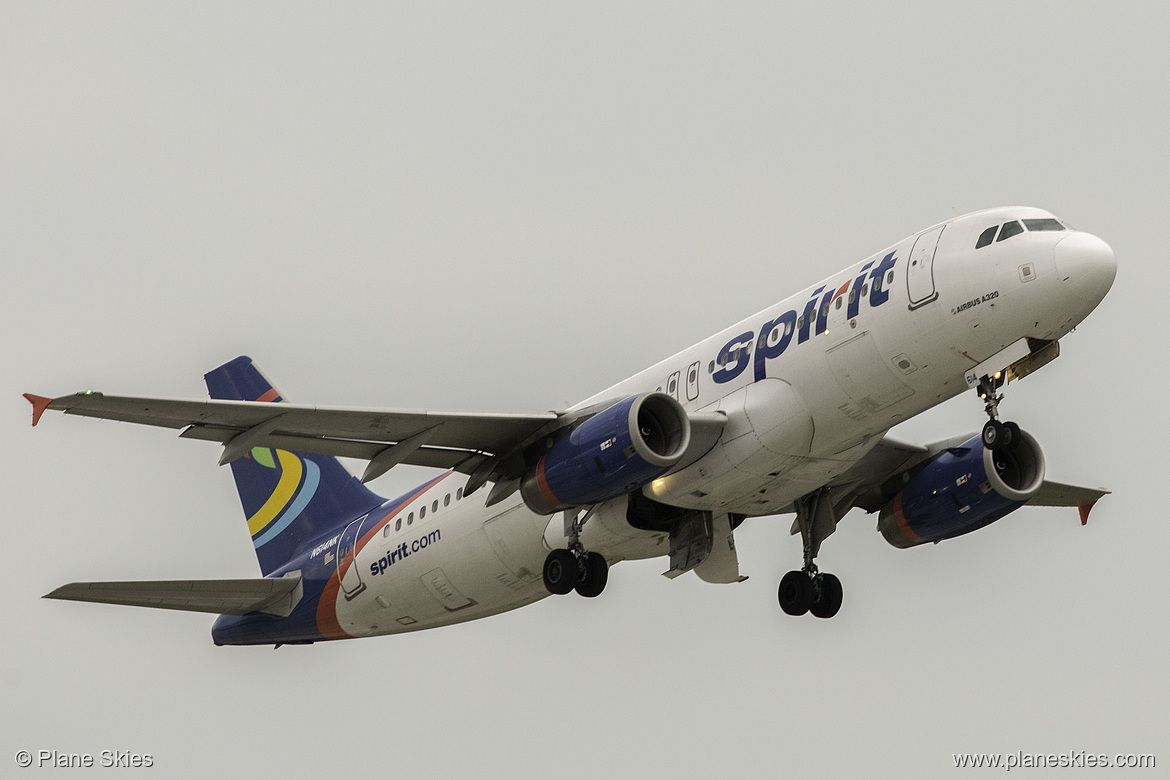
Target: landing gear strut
[996,435]
[575,568]
[810,590]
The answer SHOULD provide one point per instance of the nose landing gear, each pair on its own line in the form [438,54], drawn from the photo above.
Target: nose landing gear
[996,435]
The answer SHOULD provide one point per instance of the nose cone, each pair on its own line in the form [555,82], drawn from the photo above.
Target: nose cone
[1086,266]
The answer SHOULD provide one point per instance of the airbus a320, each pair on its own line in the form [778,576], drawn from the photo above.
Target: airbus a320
[785,412]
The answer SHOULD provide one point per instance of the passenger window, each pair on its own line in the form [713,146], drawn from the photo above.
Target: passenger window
[1043,224]
[435,506]
[839,302]
[447,500]
[711,367]
[398,525]
[890,278]
[865,289]
[422,511]
[986,237]
[459,494]
[386,530]
[1009,229]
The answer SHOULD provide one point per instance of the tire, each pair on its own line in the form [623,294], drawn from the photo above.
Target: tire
[993,435]
[596,575]
[1011,436]
[830,601]
[561,572]
[795,593]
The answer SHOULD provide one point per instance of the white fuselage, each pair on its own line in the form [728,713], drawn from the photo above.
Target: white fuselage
[807,391]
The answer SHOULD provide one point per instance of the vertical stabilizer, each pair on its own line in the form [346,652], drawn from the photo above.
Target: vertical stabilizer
[289,498]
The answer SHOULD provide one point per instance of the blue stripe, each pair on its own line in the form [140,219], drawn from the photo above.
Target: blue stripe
[308,490]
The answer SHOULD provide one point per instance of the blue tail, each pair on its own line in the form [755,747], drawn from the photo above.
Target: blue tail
[289,498]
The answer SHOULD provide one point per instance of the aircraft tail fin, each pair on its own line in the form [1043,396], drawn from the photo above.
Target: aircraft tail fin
[289,498]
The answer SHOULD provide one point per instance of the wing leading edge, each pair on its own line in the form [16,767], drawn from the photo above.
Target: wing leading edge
[455,440]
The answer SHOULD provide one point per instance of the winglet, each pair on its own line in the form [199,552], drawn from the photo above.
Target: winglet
[1084,507]
[39,405]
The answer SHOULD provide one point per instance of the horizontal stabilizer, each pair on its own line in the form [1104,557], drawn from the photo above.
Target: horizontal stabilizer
[224,597]
[1058,494]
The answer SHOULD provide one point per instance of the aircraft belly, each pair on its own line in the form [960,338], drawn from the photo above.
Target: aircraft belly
[457,576]
[608,532]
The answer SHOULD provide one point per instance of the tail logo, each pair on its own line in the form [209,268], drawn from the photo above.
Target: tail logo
[298,483]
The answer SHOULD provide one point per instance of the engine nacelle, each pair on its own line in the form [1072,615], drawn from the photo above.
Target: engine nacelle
[614,452]
[962,490]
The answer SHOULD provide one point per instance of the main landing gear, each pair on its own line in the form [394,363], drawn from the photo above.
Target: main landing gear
[574,568]
[996,435]
[810,590]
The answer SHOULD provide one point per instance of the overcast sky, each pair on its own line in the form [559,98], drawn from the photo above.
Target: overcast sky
[509,207]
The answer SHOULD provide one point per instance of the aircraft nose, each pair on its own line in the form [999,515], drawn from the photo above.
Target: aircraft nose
[1086,266]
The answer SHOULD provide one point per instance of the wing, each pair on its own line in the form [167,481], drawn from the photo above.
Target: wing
[1059,494]
[877,477]
[225,597]
[460,440]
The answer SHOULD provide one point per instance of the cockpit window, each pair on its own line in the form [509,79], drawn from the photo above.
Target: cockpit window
[1043,224]
[1010,229]
[986,237]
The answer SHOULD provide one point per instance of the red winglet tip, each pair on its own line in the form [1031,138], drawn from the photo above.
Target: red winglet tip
[1084,508]
[39,405]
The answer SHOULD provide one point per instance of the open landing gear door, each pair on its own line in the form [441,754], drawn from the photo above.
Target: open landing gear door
[722,565]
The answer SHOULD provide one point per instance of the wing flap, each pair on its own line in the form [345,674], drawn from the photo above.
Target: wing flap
[225,597]
[435,457]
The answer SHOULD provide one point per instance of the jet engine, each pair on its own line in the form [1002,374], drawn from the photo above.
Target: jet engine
[614,452]
[962,490]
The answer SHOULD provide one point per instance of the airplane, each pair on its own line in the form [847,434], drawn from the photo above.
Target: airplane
[785,412]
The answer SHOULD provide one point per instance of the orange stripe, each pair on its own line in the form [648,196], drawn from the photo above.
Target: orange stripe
[902,524]
[271,395]
[542,483]
[327,622]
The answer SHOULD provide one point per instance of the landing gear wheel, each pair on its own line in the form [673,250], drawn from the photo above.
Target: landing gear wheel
[795,593]
[994,435]
[828,601]
[1011,435]
[595,577]
[561,572]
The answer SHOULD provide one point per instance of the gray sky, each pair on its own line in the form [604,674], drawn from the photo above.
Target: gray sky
[509,207]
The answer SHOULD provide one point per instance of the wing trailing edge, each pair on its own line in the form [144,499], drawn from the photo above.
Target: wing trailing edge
[223,597]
